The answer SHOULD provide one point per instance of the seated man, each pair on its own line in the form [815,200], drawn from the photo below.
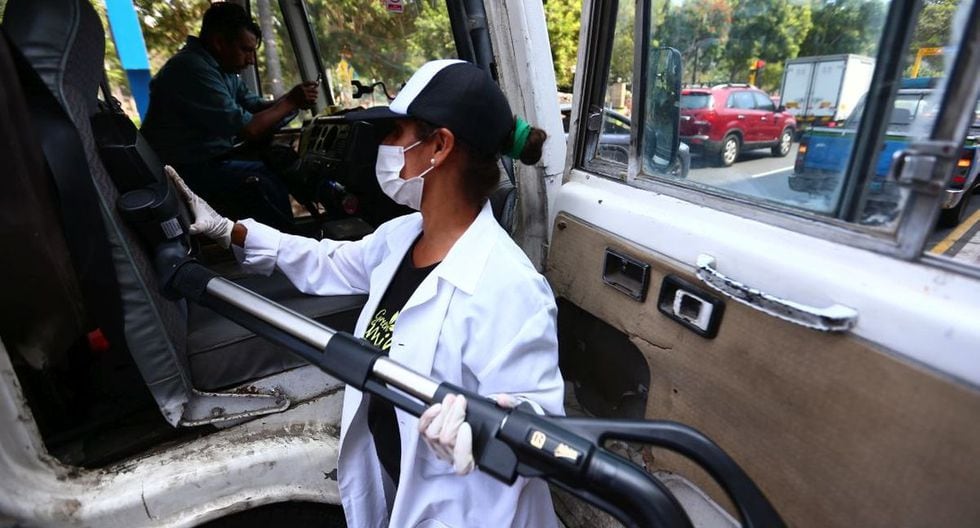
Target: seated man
[199,107]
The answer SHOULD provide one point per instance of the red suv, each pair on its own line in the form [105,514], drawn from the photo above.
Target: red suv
[724,120]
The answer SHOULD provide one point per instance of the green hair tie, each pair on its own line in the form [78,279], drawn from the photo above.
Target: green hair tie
[521,131]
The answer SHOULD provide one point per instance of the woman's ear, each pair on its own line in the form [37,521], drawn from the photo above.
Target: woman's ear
[445,142]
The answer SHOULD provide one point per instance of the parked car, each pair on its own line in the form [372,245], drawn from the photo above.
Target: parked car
[821,160]
[723,121]
[614,142]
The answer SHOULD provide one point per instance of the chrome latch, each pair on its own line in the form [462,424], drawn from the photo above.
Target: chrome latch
[594,122]
[916,165]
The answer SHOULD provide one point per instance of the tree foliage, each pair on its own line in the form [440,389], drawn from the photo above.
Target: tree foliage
[697,29]
[621,62]
[166,25]
[935,23]
[373,43]
[771,30]
[934,30]
[381,45]
[719,39]
[564,22]
[845,26]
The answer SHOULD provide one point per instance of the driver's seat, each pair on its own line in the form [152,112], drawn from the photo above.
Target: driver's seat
[58,47]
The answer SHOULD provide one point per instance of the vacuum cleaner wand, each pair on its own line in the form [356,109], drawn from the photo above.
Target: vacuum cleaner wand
[508,443]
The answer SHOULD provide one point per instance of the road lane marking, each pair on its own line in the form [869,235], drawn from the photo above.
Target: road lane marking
[951,238]
[770,173]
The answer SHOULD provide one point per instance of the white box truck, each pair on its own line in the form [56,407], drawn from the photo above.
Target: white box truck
[823,90]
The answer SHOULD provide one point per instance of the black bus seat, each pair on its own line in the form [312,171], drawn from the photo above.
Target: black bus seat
[219,350]
[63,44]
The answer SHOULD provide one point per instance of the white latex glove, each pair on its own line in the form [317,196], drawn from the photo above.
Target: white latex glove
[207,221]
[443,429]
[451,438]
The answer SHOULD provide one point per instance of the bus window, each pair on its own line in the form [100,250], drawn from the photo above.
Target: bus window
[363,40]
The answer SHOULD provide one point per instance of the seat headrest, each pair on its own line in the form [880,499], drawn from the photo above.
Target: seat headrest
[64,42]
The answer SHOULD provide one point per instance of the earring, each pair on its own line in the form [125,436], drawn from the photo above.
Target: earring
[432,161]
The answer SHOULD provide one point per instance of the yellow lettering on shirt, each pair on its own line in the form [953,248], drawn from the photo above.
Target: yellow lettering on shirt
[380,328]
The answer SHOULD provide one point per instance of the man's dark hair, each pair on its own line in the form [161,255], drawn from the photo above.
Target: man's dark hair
[226,20]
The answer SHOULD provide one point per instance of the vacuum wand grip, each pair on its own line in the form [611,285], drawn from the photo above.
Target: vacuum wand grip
[506,439]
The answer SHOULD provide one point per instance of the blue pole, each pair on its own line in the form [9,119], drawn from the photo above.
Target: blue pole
[128,36]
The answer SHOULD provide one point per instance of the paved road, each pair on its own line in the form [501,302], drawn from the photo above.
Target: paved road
[754,163]
[757,173]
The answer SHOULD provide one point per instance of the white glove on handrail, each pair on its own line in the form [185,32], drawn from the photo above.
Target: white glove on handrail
[207,221]
[444,431]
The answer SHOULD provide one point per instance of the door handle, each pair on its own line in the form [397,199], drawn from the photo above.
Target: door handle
[764,118]
[741,116]
[691,306]
[626,274]
[835,318]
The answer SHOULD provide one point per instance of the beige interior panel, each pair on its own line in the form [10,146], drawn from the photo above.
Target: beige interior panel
[834,430]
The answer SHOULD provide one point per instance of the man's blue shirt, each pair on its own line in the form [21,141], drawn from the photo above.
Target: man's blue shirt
[196,109]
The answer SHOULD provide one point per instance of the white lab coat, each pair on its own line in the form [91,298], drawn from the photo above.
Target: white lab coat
[483,319]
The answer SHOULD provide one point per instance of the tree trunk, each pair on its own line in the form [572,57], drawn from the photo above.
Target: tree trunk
[272,67]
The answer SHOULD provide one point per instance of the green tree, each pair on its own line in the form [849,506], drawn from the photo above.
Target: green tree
[935,24]
[372,44]
[621,62]
[934,30]
[771,77]
[564,21]
[698,29]
[166,26]
[378,44]
[433,39]
[845,26]
[771,30]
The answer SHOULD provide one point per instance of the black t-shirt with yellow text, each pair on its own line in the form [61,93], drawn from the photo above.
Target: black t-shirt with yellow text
[381,414]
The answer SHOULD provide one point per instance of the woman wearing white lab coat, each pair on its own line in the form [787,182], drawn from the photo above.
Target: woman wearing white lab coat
[482,318]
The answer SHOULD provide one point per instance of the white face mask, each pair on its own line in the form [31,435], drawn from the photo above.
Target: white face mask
[391,160]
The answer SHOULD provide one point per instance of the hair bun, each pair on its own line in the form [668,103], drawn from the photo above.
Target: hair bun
[532,147]
[525,142]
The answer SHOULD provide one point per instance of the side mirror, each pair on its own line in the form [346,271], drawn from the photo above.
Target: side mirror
[661,110]
[780,108]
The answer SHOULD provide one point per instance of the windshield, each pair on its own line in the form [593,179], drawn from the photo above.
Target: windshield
[695,101]
[907,107]
[369,41]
